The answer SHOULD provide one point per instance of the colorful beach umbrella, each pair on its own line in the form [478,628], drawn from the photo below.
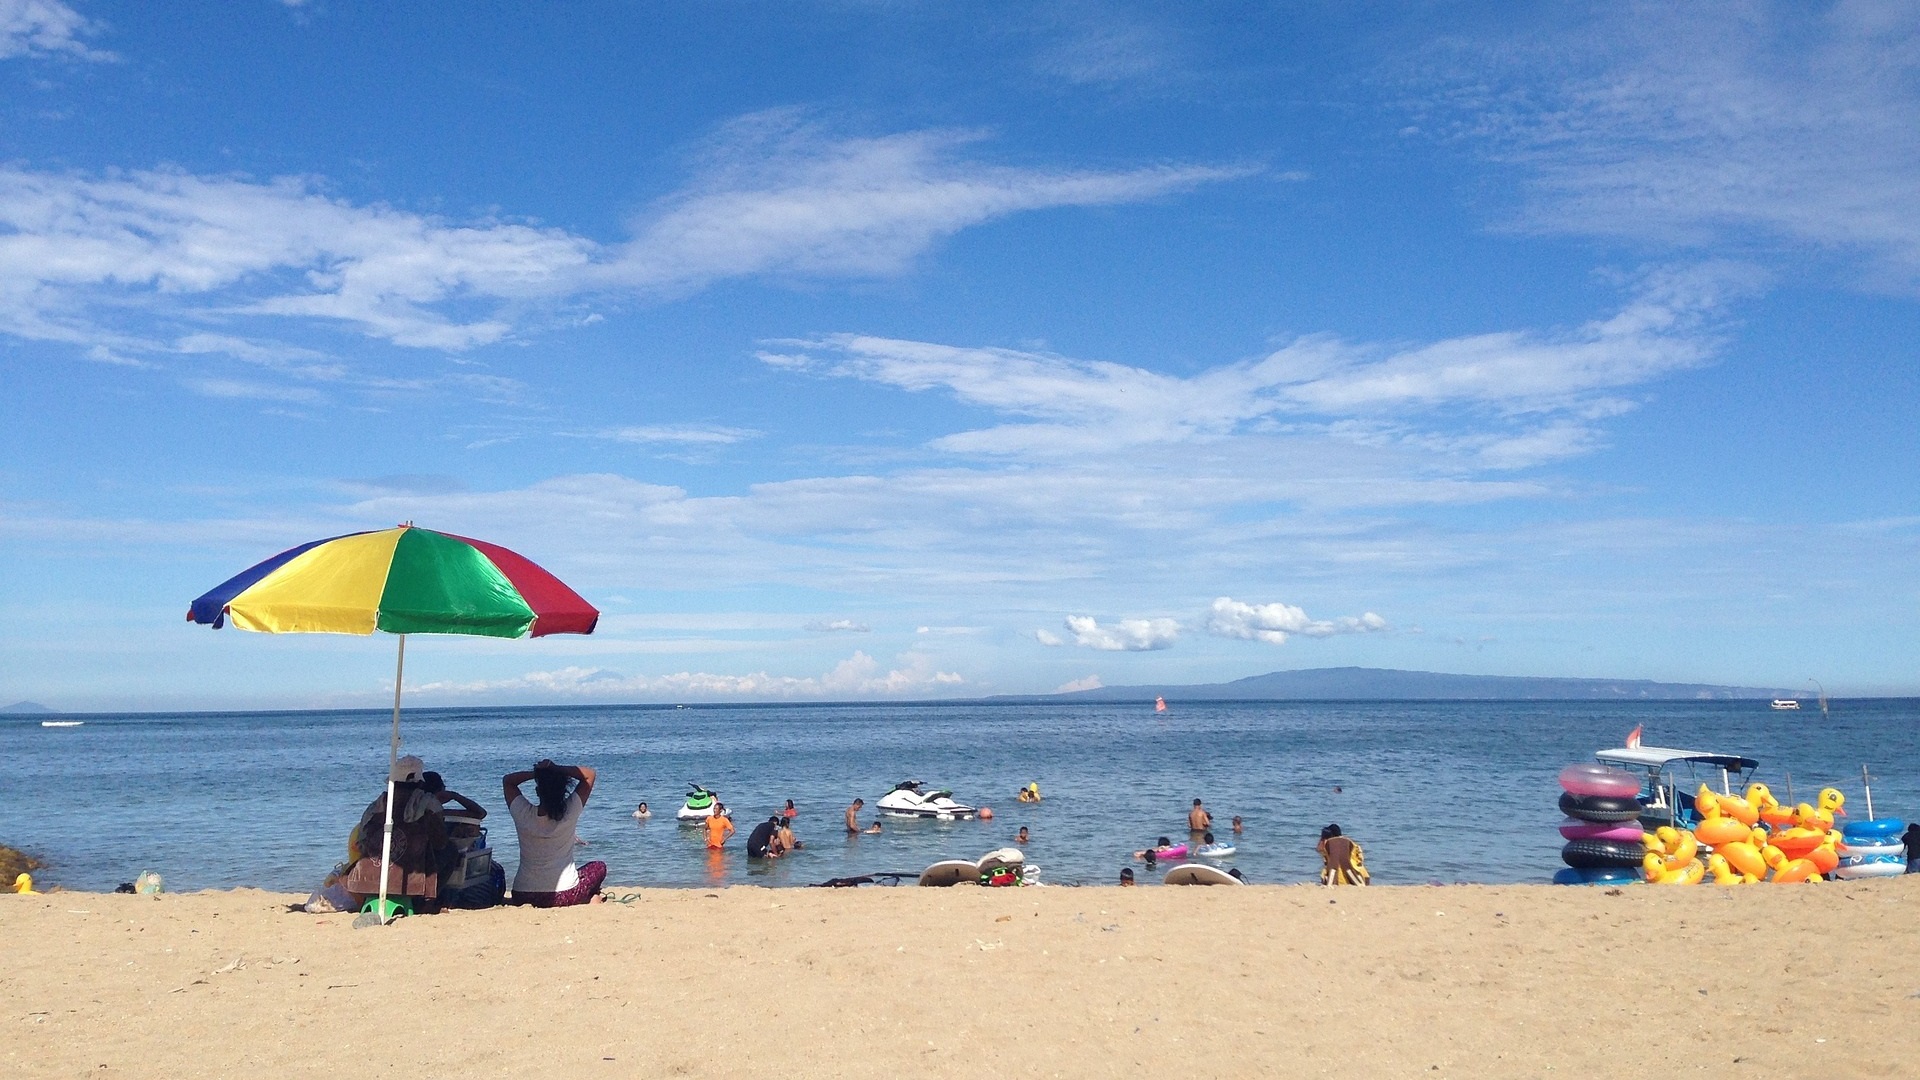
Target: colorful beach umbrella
[403,580]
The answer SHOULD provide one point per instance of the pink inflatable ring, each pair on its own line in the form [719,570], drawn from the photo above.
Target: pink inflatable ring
[1599,780]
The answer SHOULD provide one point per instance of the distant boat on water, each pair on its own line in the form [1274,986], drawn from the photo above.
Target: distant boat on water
[1786,703]
[61,723]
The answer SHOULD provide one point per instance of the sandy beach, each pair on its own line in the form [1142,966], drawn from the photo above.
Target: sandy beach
[1284,980]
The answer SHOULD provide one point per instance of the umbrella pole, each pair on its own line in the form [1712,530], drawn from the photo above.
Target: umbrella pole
[393,759]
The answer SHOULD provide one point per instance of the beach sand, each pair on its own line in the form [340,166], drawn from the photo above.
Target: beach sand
[1285,980]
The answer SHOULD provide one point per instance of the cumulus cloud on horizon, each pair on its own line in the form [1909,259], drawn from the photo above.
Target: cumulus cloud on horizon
[1271,623]
[1124,635]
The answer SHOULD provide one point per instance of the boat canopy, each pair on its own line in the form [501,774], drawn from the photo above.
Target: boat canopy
[1655,757]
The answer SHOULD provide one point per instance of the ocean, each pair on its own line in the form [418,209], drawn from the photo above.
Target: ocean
[1434,791]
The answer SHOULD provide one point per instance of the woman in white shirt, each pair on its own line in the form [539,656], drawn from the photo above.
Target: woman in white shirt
[546,876]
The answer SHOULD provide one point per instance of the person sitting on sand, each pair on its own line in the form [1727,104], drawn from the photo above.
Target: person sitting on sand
[719,827]
[1126,877]
[763,840]
[421,849]
[436,786]
[1342,862]
[1198,820]
[641,813]
[853,816]
[546,876]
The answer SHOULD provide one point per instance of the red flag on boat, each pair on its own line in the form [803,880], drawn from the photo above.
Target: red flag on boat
[1633,737]
[1159,704]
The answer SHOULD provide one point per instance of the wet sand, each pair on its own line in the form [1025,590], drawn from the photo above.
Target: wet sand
[1279,980]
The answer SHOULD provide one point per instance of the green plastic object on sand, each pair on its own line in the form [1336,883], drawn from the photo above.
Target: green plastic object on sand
[149,884]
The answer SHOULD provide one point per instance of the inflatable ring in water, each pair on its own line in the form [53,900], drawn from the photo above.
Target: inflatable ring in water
[1606,808]
[1591,854]
[1599,780]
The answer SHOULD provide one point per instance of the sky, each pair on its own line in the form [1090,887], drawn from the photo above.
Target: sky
[848,350]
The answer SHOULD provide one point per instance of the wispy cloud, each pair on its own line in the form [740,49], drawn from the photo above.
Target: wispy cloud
[1271,623]
[839,626]
[1532,396]
[1124,635]
[684,434]
[45,28]
[1746,125]
[859,675]
[1090,682]
[101,259]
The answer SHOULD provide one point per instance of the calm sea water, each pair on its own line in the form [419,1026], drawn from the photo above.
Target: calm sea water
[1435,791]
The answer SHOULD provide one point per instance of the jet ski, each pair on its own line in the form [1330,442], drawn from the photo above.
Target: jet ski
[700,804]
[908,801]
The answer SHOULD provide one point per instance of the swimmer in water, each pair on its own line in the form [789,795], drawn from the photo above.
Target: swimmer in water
[853,816]
[641,813]
[1021,837]
[1237,825]
[1126,877]
[873,828]
[719,827]
[1153,852]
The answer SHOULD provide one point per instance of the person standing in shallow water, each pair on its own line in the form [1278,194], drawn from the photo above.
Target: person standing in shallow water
[1198,820]
[1341,861]
[853,817]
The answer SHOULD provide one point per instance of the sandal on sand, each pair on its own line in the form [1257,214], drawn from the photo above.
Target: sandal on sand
[627,899]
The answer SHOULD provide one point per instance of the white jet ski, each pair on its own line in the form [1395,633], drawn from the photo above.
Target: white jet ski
[908,801]
[699,805]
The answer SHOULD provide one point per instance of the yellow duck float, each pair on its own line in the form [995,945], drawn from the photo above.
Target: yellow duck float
[1724,873]
[1672,858]
[24,885]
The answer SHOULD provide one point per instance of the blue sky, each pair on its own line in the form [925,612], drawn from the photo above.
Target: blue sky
[860,350]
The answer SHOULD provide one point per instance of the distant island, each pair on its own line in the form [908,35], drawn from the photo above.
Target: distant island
[24,707]
[1385,684]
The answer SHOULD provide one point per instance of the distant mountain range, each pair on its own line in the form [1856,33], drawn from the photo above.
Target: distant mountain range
[1385,684]
[20,707]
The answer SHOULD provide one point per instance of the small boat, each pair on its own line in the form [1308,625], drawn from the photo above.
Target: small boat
[700,804]
[61,723]
[1785,703]
[906,800]
[1668,776]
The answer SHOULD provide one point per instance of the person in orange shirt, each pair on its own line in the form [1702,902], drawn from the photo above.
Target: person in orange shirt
[719,827]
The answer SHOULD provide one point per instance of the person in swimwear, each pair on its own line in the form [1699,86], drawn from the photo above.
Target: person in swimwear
[1152,853]
[853,816]
[783,836]
[1342,862]
[1198,820]
[641,813]
[790,812]
[719,827]
[1238,825]
[873,828]
[1021,837]
[1126,877]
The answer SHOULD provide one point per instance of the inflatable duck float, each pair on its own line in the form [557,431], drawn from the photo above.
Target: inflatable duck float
[1672,857]
[24,885]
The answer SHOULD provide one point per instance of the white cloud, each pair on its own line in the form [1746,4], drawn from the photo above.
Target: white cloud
[1272,623]
[1091,682]
[1126,635]
[93,259]
[839,626]
[44,28]
[1527,396]
[857,676]
[691,434]
[1048,638]
[779,196]
[1694,124]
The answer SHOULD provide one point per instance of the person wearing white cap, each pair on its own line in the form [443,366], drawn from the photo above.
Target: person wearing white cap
[419,839]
